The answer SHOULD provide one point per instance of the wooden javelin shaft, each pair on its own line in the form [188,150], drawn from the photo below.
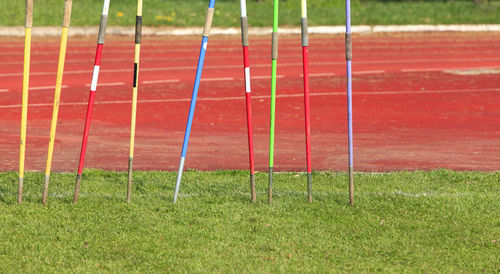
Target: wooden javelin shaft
[24,106]
[57,96]
[135,85]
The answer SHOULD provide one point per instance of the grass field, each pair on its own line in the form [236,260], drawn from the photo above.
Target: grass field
[438,221]
[227,12]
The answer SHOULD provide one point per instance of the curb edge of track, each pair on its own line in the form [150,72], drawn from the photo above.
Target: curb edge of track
[172,31]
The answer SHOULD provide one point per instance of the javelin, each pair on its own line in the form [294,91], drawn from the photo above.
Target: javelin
[57,96]
[246,68]
[348,50]
[274,58]
[305,63]
[93,86]
[26,79]
[199,69]
[138,32]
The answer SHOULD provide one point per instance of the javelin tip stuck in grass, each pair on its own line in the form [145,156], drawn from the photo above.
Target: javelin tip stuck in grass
[57,96]
[138,32]
[24,106]
[93,87]
[199,69]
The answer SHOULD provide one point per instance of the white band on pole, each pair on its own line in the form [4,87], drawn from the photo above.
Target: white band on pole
[105,8]
[95,75]
[247,79]
[304,8]
[243,5]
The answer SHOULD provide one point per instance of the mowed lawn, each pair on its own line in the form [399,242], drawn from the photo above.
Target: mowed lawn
[437,221]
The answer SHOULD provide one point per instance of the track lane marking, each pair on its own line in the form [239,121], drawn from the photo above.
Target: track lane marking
[423,69]
[37,88]
[368,72]
[260,57]
[46,87]
[339,93]
[265,77]
[326,74]
[446,69]
[233,48]
[108,84]
[217,79]
[161,81]
[269,65]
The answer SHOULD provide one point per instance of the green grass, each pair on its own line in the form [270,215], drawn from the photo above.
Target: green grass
[227,12]
[438,221]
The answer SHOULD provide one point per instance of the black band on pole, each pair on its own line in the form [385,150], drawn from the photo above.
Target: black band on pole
[135,74]
[138,29]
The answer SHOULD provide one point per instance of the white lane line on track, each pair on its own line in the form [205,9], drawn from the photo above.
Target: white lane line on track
[161,81]
[79,61]
[326,74]
[119,70]
[354,72]
[403,61]
[445,69]
[123,70]
[265,77]
[108,84]
[174,68]
[217,79]
[463,60]
[37,88]
[47,87]
[368,72]
[342,93]
[423,69]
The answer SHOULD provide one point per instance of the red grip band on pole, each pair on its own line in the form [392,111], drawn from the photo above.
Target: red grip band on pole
[98,55]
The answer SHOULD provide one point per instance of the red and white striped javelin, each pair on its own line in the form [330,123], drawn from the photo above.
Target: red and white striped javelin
[93,87]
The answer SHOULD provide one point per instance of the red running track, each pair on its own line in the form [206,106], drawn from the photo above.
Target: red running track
[421,101]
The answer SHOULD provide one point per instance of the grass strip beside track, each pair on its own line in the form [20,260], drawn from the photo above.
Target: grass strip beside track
[437,221]
[322,12]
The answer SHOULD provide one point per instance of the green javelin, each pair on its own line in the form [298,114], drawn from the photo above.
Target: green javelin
[274,58]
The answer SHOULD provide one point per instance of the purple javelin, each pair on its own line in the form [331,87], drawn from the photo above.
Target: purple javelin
[348,49]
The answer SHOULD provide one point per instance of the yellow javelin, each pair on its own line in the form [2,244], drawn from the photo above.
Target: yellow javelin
[57,96]
[26,80]
[138,32]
